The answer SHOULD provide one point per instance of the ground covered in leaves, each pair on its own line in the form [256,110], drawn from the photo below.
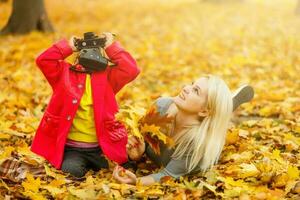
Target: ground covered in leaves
[255,42]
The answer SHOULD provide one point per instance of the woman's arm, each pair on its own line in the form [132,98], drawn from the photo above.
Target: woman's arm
[175,169]
[147,180]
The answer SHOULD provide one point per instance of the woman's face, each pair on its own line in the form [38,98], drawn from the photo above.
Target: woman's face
[193,97]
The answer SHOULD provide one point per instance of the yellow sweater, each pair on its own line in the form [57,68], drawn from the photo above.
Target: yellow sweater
[83,127]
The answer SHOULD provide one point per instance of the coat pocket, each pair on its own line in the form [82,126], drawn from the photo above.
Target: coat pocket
[116,130]
[50,124]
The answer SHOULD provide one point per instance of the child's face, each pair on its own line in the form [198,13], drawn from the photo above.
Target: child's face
[193,98]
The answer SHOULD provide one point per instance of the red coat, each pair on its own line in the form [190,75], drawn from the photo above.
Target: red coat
[68,87]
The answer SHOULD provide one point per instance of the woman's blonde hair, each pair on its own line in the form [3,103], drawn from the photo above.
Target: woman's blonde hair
[203,144]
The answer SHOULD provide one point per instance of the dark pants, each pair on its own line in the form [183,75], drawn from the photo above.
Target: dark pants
[77,161]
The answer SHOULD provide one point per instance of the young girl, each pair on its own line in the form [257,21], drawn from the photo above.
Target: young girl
[78,127]
[201,113]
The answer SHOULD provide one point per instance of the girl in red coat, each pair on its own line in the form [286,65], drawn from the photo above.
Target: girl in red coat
[78,131]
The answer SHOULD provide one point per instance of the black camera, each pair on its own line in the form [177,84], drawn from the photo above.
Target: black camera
[90,56]
[90,40]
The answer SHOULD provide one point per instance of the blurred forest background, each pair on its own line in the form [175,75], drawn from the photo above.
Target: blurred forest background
[242,41]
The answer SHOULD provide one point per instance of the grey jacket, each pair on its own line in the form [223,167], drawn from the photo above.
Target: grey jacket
[172,167]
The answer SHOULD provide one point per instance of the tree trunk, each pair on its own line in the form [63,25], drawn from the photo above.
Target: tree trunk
[298,8]
[26,16]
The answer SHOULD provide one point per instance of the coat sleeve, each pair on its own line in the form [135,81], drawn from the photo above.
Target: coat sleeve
[50,60]
[175,168]
[125,70]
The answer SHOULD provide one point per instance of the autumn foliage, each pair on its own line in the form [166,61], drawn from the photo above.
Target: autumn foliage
[174,42]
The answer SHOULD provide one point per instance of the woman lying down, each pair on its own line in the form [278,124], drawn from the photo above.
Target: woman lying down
[201,113]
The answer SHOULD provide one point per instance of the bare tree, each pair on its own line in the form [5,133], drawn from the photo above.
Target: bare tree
[26,16]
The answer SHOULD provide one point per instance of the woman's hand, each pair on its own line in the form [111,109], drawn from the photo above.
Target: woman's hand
[72,43]
[124,176]
[109,38]
[135,148]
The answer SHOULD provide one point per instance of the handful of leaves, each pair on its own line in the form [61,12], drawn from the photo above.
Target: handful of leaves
[150,125]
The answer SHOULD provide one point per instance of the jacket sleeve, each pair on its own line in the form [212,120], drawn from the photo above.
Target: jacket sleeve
[50,60]
[175,168]
[125,70]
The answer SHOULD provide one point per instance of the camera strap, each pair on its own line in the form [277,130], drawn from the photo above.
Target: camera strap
[79,68]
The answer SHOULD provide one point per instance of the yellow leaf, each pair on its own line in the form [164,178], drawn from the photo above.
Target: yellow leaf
[57,183]
[248,170]
[280,180]
[297,129]
[54,190]
[7,152]
[230,182]
[293,172]
[212,188]
[250,123]
[232,136]
[154,192]
[33,195]
[267,111]
[276,156]
[85,193]
[60,178]
[243,133]
[31,184]
[134,127]
[155,131]
[292,138]
[4,136]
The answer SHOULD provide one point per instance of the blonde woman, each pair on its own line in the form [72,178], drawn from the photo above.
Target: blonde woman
[201,112]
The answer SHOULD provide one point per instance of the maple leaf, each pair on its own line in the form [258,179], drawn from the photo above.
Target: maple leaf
[31,184]
[293,172]
[248,170]
[153,142]
[154,131]
[152,125]
[153,117]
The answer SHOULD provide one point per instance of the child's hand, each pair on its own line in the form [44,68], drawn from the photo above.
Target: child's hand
[72,43]
[135,148]
[109,38]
